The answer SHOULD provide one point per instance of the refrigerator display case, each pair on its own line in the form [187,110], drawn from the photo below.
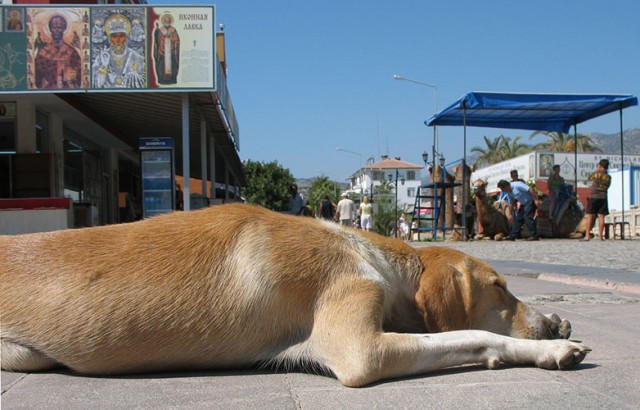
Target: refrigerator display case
[158,176]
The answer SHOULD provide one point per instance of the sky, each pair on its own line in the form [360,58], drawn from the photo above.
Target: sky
[307,77]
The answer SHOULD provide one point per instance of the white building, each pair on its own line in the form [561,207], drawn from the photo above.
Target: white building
[408,177]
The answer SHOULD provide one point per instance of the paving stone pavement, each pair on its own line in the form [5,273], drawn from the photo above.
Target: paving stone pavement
[605,315]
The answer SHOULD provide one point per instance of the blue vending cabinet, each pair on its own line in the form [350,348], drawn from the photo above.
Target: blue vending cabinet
[158,176]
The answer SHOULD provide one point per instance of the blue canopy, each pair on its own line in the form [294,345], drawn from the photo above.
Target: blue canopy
[540,112]
[545,112]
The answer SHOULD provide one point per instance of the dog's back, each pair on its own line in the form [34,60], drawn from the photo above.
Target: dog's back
[214,288]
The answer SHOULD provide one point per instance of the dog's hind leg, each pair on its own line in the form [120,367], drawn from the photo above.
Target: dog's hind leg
[19,358]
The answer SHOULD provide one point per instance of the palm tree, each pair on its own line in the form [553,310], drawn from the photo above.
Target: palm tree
[513,148]
[490,154]
[500,149]
[561,142]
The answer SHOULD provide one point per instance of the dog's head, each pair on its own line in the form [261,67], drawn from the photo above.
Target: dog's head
[459,292]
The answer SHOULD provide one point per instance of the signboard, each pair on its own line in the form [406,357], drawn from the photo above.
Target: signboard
[155,143]
[537,166]
[107,48]
[524,164]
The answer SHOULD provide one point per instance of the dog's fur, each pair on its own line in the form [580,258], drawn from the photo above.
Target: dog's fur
[237,286]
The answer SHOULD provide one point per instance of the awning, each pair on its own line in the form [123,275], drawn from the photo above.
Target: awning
[540,112]
[545,112]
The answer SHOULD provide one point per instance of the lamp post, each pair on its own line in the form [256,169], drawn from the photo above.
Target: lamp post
[434,147]
[435,92]
[354,153]
[359,164]
[395,223]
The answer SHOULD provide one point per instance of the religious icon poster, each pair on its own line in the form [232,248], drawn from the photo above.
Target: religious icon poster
[55,55]
[118,48]
[182,41]
[107,48]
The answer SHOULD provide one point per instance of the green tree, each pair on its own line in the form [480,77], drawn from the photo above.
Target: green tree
[319,188]
[513,148]
[384,208]
[491,152]
[268,184]
[561,142]
[500,149]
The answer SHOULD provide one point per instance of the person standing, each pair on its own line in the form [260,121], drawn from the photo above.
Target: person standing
[345,210]
[296,202]
[366,214]
[523,195]
[597,203]
[514,176]
[554,183]
[327,209]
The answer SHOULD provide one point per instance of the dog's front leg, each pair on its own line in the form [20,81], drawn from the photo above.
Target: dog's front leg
[441,350]
[477,346]
[393,355]
[349,340]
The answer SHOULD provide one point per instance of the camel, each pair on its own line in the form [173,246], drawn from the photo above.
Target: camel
[445,218]
[570,222]
[491,218]
[463,191]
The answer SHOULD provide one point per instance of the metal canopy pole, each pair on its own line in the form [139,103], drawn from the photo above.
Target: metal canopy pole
[575,158]
[463,215]
[186,189]
[622,176]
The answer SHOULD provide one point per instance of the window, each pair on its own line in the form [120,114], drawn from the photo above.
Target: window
[411,175]
[411,192]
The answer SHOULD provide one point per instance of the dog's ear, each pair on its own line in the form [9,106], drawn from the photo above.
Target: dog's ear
[440,298]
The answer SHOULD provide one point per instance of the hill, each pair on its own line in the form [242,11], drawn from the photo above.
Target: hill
[610,143]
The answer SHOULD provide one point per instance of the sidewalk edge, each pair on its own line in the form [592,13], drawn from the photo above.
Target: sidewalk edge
[596,283]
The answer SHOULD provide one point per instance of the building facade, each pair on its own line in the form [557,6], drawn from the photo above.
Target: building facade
[71,128]
[406,175]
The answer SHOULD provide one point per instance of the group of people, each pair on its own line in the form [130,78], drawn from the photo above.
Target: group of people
[344,211]
[524,201]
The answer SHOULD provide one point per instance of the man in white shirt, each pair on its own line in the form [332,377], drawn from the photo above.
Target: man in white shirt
[346,210]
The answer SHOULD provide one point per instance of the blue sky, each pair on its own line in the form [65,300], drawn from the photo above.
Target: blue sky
[306,77]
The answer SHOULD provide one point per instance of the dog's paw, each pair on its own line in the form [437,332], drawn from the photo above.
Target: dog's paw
[561,328]
[561,354]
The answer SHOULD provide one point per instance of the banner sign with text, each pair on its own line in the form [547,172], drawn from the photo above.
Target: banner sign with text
[107,48]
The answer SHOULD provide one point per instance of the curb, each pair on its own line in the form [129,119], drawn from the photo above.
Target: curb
[596,283]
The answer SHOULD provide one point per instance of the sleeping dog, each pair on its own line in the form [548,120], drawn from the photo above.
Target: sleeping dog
[239,286]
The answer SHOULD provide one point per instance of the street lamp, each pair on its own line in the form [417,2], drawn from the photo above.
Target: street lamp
[395,223]
[354,153]
[441,160]
[435,147]
[435,92]
[359,173]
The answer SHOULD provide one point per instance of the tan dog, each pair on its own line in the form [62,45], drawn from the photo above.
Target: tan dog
[237,286]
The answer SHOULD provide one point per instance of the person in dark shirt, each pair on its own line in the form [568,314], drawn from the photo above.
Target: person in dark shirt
[597,203]
[327,209]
